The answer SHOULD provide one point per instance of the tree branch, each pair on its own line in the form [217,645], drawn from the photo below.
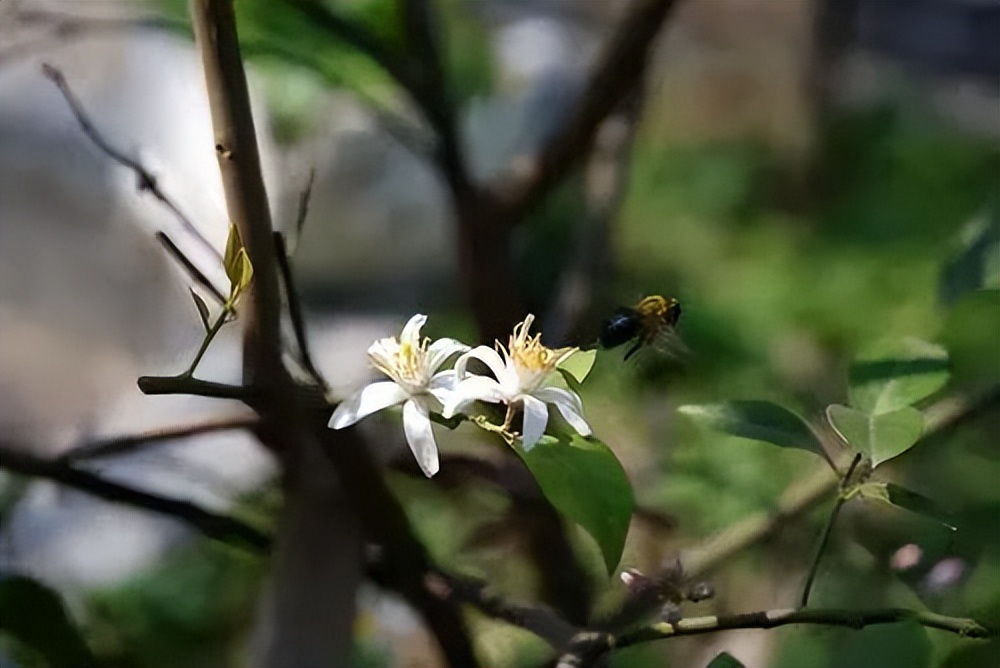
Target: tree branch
[587,647]
[147,181]
[405,560]
[120,445]
[155,385]
[246,199]
[615,77]
[294,303]
[540,620]
[432,94]
[218,527]
[192,270]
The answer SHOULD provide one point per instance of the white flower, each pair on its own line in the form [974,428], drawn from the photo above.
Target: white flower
[411,363]
[523,378]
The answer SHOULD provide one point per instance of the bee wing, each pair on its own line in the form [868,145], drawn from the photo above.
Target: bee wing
[669,342]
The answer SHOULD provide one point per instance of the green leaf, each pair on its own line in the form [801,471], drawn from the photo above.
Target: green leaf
[725,660]
[245,271]
[35,615]
[892,375]
[881,436]
[229,260]
[902,497]
[202,310]
[976,265]
[579,364]
[971,331]
[757,420]
[584,480]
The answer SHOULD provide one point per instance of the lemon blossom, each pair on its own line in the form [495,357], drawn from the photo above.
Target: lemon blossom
[411,363]
[523,377]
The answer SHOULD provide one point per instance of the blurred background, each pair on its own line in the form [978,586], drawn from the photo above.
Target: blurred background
[806,176]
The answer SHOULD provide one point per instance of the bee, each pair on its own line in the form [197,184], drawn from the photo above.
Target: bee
[644,323]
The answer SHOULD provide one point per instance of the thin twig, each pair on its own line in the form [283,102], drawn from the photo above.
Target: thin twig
[540,620]
[828,530]
[588,647]
[218,527]
[295,311]
[189,267]
[305,195]
[120,445]
[147,181]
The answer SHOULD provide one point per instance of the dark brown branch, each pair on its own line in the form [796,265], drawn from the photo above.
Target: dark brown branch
[154,385]
[146,180]
[189,267]
[433,96]
[540,620]
[111,447]
[588,647]
[419,72]
[404,559]
[294,303]
[218,527]
[616,76]
[440,590]
[302,213]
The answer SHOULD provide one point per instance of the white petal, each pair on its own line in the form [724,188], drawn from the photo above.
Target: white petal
[474,388]
[536,416]
[383,352]
[371,398]
[443,380]
[442,385]
[441,350]
[569,405]
[486,355]
[411,332]
[420,436]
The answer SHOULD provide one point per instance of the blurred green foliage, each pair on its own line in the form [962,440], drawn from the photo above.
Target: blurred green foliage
[192,610]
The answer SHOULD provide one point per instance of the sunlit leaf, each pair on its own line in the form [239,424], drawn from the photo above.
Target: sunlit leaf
[202,309]
[895,374]
[245,268]
[881,436]
[725,660]
[584,480]
[579,364]
[231,257]
[35,615]
[757,420]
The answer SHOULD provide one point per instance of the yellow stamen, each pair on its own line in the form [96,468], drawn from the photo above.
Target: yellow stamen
[529,353]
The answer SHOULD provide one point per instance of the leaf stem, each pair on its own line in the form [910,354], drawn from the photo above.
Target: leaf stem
[828,530]
[209,336]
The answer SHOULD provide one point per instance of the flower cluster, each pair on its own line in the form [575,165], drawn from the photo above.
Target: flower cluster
[524,377]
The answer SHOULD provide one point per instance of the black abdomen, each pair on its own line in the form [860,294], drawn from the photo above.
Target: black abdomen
[620,328]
